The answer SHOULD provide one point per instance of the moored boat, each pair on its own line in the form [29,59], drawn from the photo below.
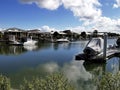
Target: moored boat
[97,51]
[29,42]
[62,40]
[24,42]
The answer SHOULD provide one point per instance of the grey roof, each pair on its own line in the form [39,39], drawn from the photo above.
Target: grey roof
[34,31]
[14,30]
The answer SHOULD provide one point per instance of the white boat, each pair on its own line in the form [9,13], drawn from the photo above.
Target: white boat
[96,51]
[94,46]
[29,42]
[62,40]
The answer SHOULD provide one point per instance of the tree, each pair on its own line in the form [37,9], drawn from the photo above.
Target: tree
[68,33]
[55,35]
[83,35]
[95,33]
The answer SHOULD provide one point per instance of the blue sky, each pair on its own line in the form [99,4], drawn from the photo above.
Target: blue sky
[77,15]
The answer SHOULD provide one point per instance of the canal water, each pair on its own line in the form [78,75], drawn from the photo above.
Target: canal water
[19,62]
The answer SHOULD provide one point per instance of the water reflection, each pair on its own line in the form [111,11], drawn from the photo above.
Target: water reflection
[113,65]
[16,50]
[57,46]
[95,69]
[31,48]
[74,71]
[18,62]
[51,67]
[78,72]
[11,50]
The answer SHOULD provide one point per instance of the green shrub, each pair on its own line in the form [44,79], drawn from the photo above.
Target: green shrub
[108,81]
[50,82]
[4,83]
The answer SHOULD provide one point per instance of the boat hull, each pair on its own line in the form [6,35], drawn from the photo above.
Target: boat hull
[30,43]
[98,58]
[92,59]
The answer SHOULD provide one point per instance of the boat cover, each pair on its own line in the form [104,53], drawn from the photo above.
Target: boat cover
[94,46]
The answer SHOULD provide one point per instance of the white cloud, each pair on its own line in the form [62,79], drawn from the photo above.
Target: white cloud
[84,9]
[75,70]
[48,4]
[51,67]
[77,29]
[2,29]
[103,24]
[106,24]
[88,11]
[47,29]
[117,5]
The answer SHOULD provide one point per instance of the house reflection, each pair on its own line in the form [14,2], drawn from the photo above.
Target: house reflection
[12,50]
[17,50]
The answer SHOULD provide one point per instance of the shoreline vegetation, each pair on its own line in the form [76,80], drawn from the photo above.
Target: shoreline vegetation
[57,81]
[6,35]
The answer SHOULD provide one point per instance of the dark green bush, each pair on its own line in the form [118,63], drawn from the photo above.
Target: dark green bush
[50,82]
[108,81]
[4,83]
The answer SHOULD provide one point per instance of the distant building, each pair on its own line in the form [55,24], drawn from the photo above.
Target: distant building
[67,32]
[35,33]
[61,33]
[18,33]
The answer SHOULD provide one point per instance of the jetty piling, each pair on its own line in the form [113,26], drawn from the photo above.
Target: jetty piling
[105,46]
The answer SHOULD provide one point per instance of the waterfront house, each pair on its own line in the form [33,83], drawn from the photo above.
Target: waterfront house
[35,33]
[47,36]
[72,35]
[16,32]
